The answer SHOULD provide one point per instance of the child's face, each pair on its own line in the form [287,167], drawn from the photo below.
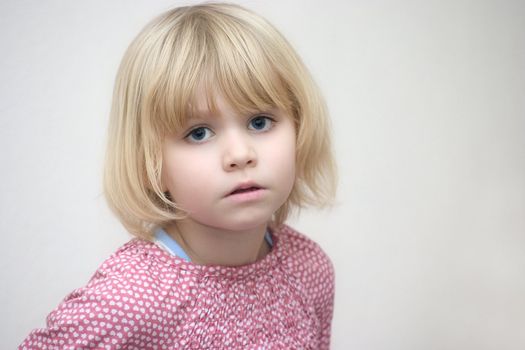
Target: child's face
[230,171]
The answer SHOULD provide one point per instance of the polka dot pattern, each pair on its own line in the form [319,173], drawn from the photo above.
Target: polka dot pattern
[142,297]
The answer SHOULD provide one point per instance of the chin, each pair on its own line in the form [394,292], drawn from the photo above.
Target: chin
[237,220]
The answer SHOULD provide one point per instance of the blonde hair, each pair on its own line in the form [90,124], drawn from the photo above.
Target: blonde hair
[228,50]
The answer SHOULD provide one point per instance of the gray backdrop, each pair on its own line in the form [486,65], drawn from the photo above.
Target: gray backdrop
[428,103]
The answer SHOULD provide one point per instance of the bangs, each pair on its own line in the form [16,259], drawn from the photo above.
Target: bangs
[215,55]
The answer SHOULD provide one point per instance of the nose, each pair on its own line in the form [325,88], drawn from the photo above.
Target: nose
[239,153]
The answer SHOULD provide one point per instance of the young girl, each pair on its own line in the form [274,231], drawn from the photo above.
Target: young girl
[217,133]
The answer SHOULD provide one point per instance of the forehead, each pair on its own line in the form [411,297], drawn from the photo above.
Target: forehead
[209,103]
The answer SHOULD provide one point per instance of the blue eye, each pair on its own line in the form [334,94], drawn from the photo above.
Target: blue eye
[199,134]
[261,123]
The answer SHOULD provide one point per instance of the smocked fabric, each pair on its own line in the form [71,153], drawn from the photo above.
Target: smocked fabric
[142,297]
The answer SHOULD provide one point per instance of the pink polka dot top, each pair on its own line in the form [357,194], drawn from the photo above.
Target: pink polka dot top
[142,297]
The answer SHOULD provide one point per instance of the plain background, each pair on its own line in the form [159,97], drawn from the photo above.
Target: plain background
[428,106]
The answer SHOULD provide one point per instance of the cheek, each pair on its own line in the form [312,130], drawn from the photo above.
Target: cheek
[283,158]
[289,166]
[185,175]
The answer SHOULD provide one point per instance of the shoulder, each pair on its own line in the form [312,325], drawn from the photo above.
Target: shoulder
[130,284]
[135,273]
[122,295]
[304,258]
[139,270]
[299,249]
[136,257]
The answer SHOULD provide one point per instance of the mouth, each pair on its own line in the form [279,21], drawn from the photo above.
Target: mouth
[245,188]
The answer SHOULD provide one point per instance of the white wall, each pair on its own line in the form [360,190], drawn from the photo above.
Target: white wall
[428,103]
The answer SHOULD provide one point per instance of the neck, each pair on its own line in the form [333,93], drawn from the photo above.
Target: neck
[212,246]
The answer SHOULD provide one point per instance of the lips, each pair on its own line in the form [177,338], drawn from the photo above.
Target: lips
[245,188]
